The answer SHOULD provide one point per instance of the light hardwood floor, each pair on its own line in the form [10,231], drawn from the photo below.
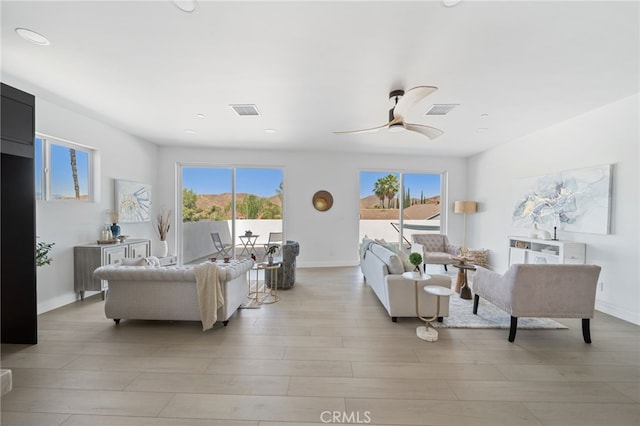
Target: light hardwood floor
[327,346]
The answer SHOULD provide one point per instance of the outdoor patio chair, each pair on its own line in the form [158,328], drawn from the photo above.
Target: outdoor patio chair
[221,248]
[275,239]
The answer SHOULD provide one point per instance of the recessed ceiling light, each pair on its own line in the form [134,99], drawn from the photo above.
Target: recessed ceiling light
[33,37]
[484,115]
[187,6]
[200,115]
[270,131]
[450,3]
[190,131]
[482,129]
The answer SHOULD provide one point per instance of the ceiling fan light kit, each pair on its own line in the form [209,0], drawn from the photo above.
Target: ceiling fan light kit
[403,103]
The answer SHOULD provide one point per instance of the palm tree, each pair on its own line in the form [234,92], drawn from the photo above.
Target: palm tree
[280,191]
[379,191]
[391,188]
[74,171]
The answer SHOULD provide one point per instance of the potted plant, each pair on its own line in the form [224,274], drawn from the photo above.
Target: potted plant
[248,233]
[42,253]
[270,252]
[416,260]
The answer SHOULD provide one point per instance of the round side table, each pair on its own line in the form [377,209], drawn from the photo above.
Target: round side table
[427,332]
[419,277]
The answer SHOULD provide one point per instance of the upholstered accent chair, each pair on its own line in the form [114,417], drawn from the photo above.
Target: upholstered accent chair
[537,290]
[434,248]
[286,272]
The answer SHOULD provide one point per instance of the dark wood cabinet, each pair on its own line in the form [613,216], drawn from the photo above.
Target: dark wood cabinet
[19,319]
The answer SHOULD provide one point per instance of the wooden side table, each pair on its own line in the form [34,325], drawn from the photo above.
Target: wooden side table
[462,284]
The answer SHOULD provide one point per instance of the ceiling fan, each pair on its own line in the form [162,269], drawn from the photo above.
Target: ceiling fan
[403,103]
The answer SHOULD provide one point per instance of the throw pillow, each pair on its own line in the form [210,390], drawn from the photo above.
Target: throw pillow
[477,256]
[152,261]
[133,261]
[404,257]
[366,242]
[393,262]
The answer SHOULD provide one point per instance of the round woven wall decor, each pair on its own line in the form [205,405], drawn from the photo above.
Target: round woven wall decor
[322,201]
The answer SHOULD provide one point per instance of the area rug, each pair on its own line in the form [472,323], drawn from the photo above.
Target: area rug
[461,316]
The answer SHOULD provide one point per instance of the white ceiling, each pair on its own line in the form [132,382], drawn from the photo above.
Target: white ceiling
[317,67]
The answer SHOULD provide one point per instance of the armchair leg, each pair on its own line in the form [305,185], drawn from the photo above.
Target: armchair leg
[514,327]
[586,331]
[476,299]
[445,268]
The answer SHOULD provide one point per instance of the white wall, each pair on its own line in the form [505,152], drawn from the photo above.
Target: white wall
[72,223]
[326,238]
[608,135]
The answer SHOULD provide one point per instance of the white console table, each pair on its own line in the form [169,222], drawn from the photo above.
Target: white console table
[533,250]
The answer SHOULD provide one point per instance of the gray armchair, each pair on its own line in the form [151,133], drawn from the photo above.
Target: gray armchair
[543,291]
[287,272]
[434,249]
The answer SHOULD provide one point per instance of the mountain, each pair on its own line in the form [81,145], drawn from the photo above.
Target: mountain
[206,201]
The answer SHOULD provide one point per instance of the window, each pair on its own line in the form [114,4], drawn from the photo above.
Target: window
[229,212]
[63,170]
[395,205]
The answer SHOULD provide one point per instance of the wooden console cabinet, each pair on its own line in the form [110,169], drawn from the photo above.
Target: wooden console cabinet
[533,250]
[87,258]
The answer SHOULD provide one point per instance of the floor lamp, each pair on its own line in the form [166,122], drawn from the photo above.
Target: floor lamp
[465,207]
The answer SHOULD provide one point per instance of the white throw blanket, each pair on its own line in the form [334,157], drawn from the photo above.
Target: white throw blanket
[210,297]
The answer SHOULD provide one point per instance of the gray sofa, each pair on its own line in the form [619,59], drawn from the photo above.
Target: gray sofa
[535,290]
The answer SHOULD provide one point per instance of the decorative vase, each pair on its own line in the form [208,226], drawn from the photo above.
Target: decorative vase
[164,248]
[115,230]
[270,260]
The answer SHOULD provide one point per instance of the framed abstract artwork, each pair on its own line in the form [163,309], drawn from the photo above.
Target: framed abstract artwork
[133,201]
[572,200]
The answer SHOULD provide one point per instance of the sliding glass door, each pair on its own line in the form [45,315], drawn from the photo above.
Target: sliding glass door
[229,212]
[394,205]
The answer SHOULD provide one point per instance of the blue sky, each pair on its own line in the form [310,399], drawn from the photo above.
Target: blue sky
[416,183]
[60,173]
[262,182]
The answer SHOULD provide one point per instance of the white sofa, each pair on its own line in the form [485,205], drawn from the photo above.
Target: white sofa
[168,293]
[382,270]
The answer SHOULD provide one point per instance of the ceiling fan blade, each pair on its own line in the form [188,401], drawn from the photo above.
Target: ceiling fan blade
[411,99]
[428,131]
[371,130]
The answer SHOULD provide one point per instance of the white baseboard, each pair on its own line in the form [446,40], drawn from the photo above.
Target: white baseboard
[616,311]
[56,302]
[325,264]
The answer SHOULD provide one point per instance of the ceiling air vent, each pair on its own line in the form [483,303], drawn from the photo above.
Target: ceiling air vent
[245,109]
[440,109]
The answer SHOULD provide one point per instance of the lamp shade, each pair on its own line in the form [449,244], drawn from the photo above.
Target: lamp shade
[465,207]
